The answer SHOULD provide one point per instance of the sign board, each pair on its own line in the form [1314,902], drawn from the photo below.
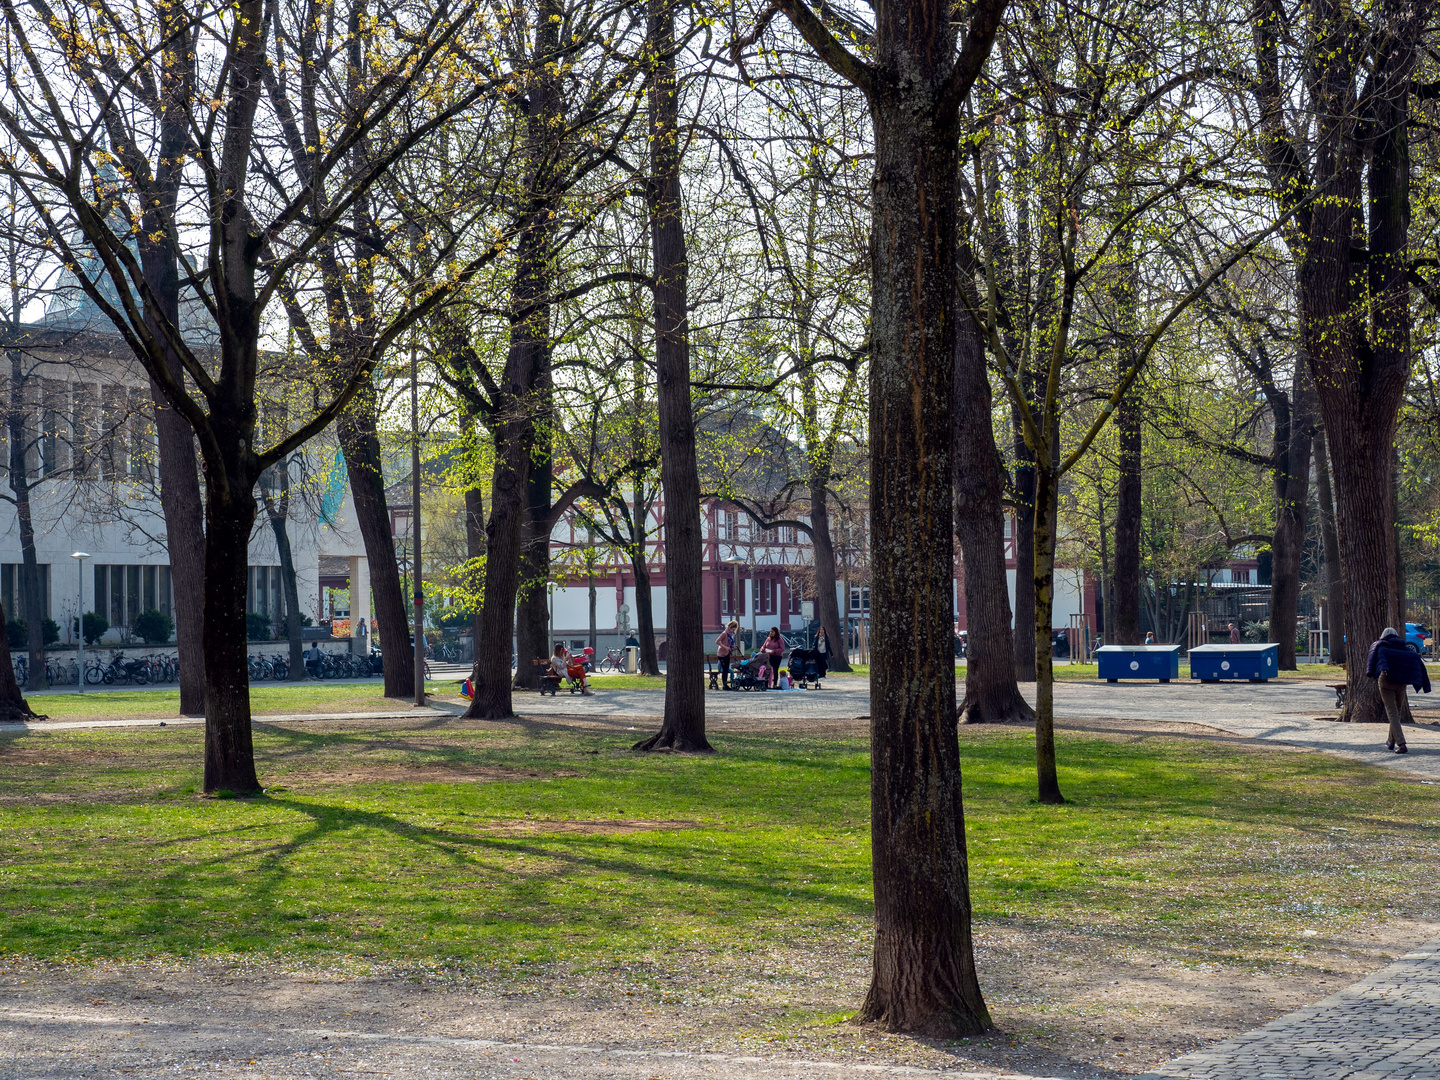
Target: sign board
[807,609]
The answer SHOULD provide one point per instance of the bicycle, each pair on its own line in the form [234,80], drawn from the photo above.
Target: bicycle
[612,661]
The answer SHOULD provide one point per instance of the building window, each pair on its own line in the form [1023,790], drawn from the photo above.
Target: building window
[12,592]
[123,592]
[859,599]
[1240,577]
[794,599]
[264,592]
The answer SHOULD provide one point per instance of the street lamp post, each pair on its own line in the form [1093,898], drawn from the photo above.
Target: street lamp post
[80,557]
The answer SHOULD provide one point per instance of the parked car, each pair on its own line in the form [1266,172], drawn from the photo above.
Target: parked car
[1417,637]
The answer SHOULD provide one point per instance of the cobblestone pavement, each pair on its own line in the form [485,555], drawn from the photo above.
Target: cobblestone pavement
[1381,1028]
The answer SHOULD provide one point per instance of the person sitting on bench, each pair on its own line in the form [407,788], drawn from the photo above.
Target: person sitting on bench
[569,669]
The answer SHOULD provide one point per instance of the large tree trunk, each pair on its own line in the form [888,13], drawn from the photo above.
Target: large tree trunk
[360,444]
[1046,522]
[924,978]
[278,510]
[1128,497]
[1293,433]
[991,692]
[827,605]
[645,614]
[23,432]
[1330,543]
[180,495]
[474,549]
[504,533]
[1025,658]
[229,752]
[684,724]
[13,706]
[532,613]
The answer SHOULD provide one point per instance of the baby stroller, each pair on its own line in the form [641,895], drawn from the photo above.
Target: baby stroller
[747,676]
[806,668]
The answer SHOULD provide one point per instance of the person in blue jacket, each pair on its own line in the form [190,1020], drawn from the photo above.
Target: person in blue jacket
[1395,666]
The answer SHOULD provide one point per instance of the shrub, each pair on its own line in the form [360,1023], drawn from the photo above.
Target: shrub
[257,626]
[154,627]
[95,627]
[17,633]
[282,626]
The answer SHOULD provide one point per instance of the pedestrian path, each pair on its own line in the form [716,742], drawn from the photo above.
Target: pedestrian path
[1381,1028]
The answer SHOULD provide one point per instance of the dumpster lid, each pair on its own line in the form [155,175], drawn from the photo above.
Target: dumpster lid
[1228,648]
[1137,648]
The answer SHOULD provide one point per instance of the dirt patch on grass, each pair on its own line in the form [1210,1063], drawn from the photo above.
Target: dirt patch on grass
[596,827]
[40,756]
[417,774]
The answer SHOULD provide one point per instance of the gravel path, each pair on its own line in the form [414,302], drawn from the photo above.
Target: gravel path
[61,1041]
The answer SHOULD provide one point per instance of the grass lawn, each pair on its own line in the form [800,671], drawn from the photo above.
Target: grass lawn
[508,846]
[265,698]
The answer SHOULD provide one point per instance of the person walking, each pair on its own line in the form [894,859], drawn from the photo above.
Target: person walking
[1150,637]
[1234,634]
[774,649]
[724,649]
[1394,666]
[823,652]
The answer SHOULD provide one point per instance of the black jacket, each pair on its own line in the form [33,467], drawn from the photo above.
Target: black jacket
[1392,656]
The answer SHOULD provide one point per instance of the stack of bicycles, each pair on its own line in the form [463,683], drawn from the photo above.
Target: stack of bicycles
[269,667]
[341,666]
[57,672]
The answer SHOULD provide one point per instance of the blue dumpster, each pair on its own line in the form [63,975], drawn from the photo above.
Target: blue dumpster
[1138,662]
[1214,663]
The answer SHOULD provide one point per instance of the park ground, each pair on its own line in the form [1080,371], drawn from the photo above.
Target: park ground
[537,881]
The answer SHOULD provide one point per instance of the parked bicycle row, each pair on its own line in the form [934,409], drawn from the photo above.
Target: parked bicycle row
[141,670]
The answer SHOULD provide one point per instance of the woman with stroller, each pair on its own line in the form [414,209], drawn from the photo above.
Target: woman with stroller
[724,649]
[822,652]
[773,648]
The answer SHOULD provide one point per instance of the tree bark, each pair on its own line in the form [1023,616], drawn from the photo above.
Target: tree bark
[1330,543]
[827,606]
[684,724]
[1354,313]
[992,694]
[1128,499]
[360,444]
[1025,658]
[23,431]
[514,434]
[229,751]
[645,613]
[278,511]
[474,549]
[1294,427]
[532,613]
[1046,515]
[180,497]
[924,978]
[13,706]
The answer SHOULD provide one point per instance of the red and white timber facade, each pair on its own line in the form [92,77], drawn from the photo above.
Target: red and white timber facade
[752,575]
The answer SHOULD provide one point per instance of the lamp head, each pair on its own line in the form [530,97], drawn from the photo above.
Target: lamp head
[80,554]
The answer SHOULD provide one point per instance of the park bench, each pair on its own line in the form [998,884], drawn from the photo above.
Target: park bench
[549,681]
[1339,689]
[712,669]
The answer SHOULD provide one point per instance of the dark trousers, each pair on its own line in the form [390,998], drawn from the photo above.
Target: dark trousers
[724,673]
[1393,695]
